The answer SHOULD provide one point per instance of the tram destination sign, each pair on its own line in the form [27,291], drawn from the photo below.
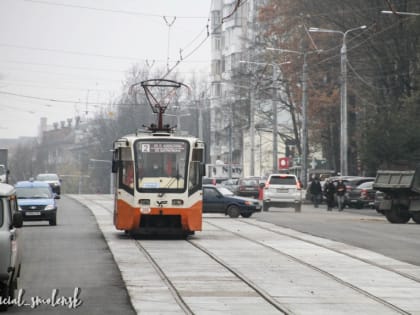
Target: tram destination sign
[163,147]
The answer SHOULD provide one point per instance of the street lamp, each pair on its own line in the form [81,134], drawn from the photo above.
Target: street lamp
[276,70]
[343,115]
[400,13]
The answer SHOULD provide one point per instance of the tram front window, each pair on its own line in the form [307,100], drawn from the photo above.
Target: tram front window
[161,165]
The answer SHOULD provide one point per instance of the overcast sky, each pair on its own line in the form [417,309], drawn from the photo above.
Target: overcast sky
[58,55]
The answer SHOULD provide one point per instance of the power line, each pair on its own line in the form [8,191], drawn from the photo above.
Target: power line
[65,101]
[69,52]
[111,10]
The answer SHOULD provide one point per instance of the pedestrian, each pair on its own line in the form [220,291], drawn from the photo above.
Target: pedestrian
[316,191]
[329,191]
[341,192]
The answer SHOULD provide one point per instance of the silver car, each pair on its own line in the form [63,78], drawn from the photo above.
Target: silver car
[10,246]
[282,190]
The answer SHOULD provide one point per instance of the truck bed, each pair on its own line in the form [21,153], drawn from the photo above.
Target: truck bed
[402,180]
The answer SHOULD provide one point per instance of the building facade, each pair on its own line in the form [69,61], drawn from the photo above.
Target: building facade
[238,135]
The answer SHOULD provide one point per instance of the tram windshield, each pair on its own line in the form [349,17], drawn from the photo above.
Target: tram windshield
[161,165]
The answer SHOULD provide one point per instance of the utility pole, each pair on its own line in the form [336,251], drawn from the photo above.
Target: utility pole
[343,114]
[274,109]
[343,96]
[304,174]
[252,132]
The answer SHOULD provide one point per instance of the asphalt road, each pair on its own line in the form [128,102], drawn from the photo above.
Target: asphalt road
[69,258]
[363,228]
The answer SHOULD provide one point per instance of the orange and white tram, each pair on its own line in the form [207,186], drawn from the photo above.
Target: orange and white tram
[158,174]
[158,183]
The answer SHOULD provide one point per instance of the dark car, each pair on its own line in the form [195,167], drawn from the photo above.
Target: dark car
[209,181]
[231,184]
[351,183]
[222,200]
[363,196]
[36,201]
[248,187]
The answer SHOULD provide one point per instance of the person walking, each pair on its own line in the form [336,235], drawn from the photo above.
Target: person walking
[329,191]
[316,191]
[341,192]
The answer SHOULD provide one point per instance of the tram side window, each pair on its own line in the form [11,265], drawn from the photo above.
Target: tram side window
[127,171]
[195,174]
[194,177]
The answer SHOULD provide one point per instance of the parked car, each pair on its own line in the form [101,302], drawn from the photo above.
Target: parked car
[231,184]
[351,183]
[52,179]
[362,196]
[222,200]
[282,190]
[248,187]
[209,181]
[37,201]
[10,246]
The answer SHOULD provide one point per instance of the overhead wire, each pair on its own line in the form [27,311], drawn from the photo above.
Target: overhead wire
[177,63]
[111,10]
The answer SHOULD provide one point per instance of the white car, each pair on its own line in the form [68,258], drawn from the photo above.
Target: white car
[52,179]
[282,190]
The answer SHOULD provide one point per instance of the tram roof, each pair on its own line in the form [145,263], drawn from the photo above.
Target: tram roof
[156,135]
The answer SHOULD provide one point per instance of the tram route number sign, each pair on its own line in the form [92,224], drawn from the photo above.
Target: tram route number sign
[163,147]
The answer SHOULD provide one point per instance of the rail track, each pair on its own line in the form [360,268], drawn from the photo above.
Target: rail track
[244,266]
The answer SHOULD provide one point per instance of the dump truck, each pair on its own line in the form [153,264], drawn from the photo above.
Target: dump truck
[401,194]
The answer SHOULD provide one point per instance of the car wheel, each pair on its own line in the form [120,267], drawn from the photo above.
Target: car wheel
[233,211]
[246,214]
[397,214]
[266,206]
[416,217]
[53,221]
[13,288]
[298,207]
[4,294]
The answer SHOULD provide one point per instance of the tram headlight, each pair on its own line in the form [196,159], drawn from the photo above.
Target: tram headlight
[144,206]
[177,202]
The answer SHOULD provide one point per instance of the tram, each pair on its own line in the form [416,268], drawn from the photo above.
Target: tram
[158,177]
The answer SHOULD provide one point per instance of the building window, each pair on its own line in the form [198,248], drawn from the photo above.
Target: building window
[216,89]
[215,21]
[216,67]
[217,44]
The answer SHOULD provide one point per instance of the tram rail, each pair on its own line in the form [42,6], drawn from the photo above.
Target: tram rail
[167,258]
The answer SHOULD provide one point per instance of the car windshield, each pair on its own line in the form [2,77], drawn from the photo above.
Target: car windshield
[225,191]
[366,185]
[249,182]
[45,177]
[33,192]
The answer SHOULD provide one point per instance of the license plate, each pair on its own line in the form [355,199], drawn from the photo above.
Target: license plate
[33,213]
[282,190]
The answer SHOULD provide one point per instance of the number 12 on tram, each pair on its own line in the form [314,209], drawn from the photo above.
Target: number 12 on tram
[158,183]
